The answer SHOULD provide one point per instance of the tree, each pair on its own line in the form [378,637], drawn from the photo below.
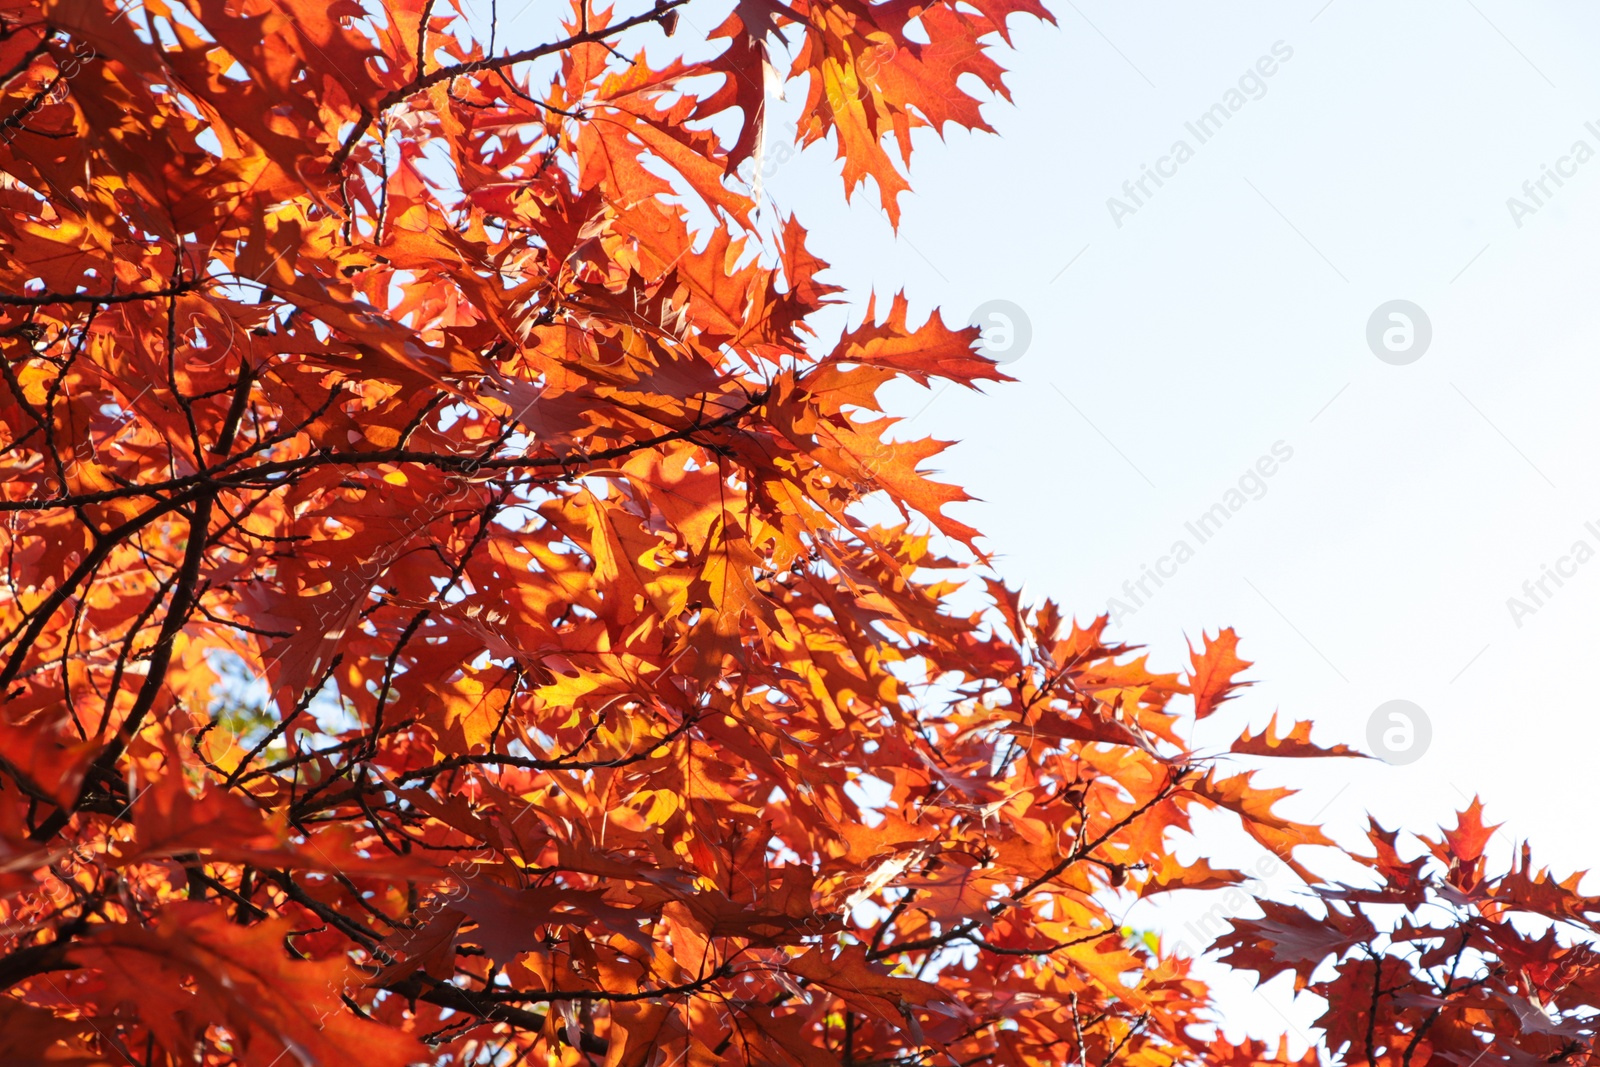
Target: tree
[441,620]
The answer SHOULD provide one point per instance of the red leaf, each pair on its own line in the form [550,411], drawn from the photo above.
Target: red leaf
[1288,939]
[193,967]
[1468,839]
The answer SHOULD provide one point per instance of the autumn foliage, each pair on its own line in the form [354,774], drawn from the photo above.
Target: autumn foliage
[442,621]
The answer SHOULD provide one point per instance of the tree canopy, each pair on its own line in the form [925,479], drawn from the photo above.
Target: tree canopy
[458,608]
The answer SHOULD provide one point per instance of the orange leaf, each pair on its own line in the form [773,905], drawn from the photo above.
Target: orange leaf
[1212,672]
[1297,742]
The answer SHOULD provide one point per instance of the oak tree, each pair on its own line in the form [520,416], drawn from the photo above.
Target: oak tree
[444,620]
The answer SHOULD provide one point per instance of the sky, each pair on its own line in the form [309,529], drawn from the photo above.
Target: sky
[1236,319]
